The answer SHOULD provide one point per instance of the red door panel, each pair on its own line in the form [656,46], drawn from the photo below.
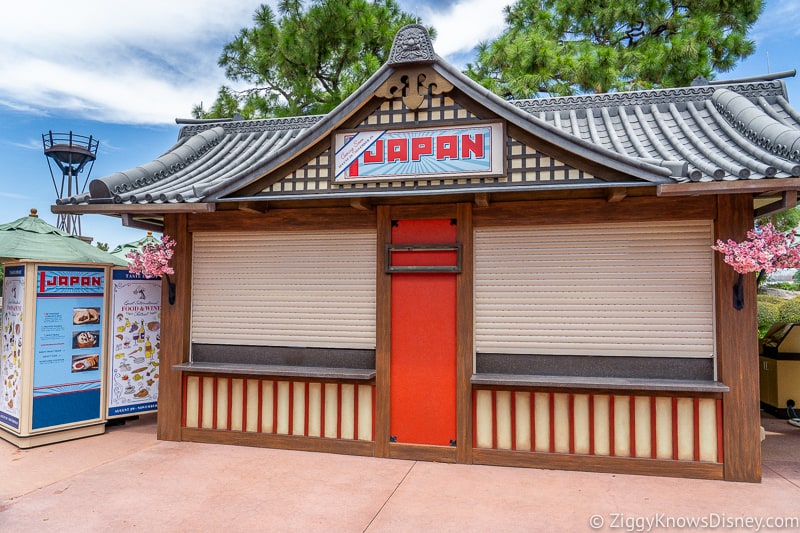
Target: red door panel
[423,365]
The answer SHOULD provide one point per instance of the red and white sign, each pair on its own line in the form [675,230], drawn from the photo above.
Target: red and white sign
[453,151]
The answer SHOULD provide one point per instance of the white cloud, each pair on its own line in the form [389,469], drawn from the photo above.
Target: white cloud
[465,23]
[148,61]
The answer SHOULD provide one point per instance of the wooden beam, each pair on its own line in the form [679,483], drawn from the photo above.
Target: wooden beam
[137,209]
[129,222]
[616,194]
[465,321]
[482,199]
[361,204]
[788,200]
[722,187]
[254,207]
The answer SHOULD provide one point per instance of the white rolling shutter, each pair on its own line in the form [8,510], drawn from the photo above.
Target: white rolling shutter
[309,289]
[619,289]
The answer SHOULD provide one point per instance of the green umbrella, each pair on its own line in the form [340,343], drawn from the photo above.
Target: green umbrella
[123,249]
[32,238]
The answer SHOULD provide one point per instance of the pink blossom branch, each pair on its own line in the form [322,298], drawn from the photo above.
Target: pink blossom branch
[152,261]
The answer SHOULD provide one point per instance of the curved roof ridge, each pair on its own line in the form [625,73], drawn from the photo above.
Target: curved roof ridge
[161,167]
[253,126]
[757,125]
[648,96]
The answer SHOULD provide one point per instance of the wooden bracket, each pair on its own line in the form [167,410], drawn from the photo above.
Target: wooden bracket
[482,199]
[361,204]
[129,222]
[787,200]
[616,194]
[253,207]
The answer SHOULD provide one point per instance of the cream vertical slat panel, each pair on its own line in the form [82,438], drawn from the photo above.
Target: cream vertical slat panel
[685,429]
[523,422]
[602,425]
[541,434]
[580,426]
[192,401]
[298,408]
[483,408]
[638,289]
[314,409]
[707,412]
[348,410]
[282,424]
[622,426]
[644,441]
[663,428]
[252,405]
[561,422]
[208,403]
[284,289]
[364,412]
[237,404]
[222,403]
[503,422]
[330,410]
[267,399]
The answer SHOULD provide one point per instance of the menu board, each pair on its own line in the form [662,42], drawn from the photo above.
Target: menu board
[135,342]
[11,354]
[67,360]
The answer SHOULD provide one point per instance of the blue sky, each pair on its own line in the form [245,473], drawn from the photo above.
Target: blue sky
[123,72]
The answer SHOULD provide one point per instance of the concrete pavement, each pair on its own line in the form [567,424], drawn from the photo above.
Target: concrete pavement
[127,480]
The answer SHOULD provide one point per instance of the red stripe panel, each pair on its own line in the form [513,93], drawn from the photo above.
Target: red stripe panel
[322,414]
[675,428]
[653,439]
[260,427]
[230,402]
[306,416]
[355,412]
[513,420]
[274,407]
[591,424]
[338,410]
[611,429]
[696,429]
[200,402]
[552,423]
[571,424]
[533,420]
[632,411]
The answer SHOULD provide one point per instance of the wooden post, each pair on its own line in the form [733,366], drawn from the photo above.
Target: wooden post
[174,329]
[737,348]
[383,337]
[464,335]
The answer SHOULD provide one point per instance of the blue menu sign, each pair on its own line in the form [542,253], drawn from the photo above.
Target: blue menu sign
[68,345]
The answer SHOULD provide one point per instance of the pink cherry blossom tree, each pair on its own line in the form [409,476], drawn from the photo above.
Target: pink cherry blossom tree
[152,261]
[765,250]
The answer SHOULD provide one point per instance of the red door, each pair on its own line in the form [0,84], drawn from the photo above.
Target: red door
[423,363]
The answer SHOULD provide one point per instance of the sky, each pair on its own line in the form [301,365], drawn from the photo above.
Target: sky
[124,71]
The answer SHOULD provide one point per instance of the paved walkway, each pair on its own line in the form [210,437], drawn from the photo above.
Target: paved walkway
[127,480]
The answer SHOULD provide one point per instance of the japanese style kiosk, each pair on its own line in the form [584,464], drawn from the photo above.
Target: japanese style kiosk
[55,295]
[432,272]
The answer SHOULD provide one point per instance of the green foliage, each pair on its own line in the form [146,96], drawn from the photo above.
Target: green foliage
[783,221]
[785,285]
[768,298]
[102,246]
[562,47]
[789,310]
[768,314]
[308,59]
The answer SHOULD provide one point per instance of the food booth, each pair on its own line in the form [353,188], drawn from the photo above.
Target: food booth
[432,272]
[52,362]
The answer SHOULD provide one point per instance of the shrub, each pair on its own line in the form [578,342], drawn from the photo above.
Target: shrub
[768,298]
[768,314]
[790,310]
